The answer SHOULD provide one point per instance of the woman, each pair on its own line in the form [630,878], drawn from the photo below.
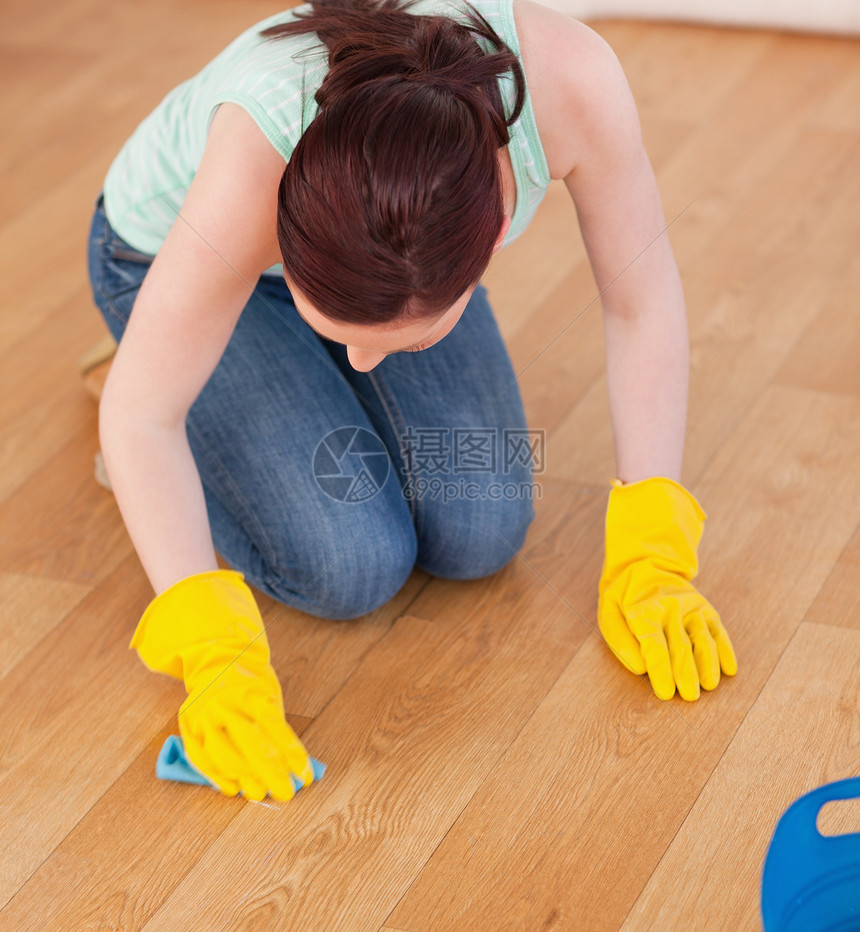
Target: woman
[314,211]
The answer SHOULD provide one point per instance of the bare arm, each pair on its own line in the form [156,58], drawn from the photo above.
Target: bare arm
[181,323]
[590,129]
[648,611]
[644,314]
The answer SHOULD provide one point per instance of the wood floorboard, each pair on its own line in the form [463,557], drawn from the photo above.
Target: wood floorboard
[77,534]
[746,324]
[72,716]
[838,603]
[583,835]
[562,344]
[450,693]
[85,883]
[40,276]
[838,110]
[800,733]
[315,657]
[42,403]
[540,265]
[825,355]
[43,602]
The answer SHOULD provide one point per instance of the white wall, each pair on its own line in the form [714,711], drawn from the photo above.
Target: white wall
[832,16]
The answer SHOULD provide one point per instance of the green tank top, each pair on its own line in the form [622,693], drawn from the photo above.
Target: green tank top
[275,81]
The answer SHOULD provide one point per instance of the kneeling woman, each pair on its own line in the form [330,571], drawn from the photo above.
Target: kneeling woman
[289,251]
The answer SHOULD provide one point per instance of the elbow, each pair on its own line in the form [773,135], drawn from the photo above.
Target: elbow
[110,426]
[132,418]
[108,411]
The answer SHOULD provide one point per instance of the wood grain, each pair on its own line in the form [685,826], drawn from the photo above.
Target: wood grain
[746,323]
[564,831]
[825,355]
[449,694]
[72,716]
[314,656]
[41,404]
[838,603]
[527,272]
[166,827]
[30,607]
[578,841]
[77,533]
[811,704]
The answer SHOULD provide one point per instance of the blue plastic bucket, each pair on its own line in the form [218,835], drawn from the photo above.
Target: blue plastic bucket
[811,882]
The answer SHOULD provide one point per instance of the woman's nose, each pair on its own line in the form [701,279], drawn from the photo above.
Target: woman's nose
[363,360]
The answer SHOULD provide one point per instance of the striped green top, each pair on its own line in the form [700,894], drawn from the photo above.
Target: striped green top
[275,81]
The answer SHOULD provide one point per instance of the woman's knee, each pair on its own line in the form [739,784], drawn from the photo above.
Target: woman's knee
[352,576]
[478,541]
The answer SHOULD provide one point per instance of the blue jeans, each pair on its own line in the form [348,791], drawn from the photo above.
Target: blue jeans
[326,486]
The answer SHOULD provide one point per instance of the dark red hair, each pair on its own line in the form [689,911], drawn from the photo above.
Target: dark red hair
[392,200]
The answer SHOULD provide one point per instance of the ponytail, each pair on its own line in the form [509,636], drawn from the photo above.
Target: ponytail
[391,202]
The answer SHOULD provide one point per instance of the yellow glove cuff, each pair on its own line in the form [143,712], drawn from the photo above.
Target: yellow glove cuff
[655,518]
[204,607]
[660,486]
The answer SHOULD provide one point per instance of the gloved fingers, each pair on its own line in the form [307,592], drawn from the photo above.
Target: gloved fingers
[239,758]
[297,757]
[704,650]
[680,652]
[273,776]
[618,636]
[267,712]
[241,741]
[292,756]
[251,787]
[725,651]
[224,749]
[197,753]
[248,753]
[259,769]
[267,760]
[280,786]
[648,628]
[266,745]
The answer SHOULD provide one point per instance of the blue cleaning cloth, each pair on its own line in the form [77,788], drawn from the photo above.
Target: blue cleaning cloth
[173,764]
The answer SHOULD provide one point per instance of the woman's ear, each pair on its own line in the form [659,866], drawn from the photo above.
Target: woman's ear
[500,239]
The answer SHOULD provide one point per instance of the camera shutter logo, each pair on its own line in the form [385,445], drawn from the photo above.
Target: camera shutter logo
[350,464]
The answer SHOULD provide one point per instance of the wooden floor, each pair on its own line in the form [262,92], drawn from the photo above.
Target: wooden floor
[491,766]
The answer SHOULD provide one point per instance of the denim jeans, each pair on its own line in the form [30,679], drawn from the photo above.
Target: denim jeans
[326,486]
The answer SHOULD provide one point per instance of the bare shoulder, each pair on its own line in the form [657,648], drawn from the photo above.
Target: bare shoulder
[234,192]
[580,96]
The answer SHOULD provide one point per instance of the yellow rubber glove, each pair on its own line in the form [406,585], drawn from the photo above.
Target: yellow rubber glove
[207,630]
[651,616]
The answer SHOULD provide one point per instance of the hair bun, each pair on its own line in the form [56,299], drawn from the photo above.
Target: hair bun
[380,43]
